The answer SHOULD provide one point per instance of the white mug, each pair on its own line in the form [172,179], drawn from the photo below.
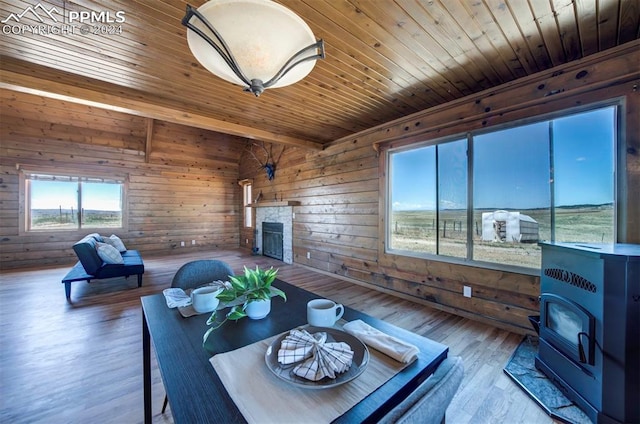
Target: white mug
[204,299]
[323,312]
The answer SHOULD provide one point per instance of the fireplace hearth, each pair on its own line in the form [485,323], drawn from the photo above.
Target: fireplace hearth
[589,327]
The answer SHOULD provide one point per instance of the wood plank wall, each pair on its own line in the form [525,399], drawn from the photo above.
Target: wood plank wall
[182,180]
[340,221]
[183,184]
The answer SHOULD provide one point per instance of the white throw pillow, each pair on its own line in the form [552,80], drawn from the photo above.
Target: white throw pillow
[110,242]
[115,241]
[109,254]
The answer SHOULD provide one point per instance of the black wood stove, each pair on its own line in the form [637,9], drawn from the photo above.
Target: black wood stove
[590,327]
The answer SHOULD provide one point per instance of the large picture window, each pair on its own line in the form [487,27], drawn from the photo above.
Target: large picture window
[491,196]
[63,202]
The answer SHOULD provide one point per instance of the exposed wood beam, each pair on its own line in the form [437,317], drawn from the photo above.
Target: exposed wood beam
[39,86]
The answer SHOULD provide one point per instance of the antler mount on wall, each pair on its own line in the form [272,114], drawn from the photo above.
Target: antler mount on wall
[269,164]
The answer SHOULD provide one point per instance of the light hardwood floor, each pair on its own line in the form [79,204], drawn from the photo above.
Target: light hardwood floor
[82,362]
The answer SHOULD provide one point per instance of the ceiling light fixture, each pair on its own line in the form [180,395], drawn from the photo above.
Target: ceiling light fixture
[258,44]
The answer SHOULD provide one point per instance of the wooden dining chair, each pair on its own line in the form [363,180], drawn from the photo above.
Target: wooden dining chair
[199,273]
[428,403]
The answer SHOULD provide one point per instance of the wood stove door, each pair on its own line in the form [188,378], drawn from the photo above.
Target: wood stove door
[569,327]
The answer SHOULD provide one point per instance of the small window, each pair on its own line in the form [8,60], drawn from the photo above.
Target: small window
[246,201]
[66,202]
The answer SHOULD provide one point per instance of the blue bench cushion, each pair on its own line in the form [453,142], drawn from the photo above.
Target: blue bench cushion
[132,265]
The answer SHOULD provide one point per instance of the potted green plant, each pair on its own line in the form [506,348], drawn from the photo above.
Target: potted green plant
[251,291]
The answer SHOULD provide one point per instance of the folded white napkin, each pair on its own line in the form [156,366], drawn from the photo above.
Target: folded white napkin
[389,345]
[176,297]
[318,358]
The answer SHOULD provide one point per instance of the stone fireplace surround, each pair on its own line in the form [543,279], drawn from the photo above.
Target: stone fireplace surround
[283,215]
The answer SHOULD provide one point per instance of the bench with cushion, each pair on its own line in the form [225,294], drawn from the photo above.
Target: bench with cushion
[99,260]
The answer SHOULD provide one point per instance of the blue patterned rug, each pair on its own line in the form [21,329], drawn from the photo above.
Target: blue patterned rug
[522,370]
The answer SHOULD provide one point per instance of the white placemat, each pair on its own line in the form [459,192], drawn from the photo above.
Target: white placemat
[262,397]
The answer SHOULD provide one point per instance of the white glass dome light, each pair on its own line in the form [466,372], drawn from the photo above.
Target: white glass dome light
[257,44]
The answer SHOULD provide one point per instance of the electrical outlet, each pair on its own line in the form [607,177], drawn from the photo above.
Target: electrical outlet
[466,291]
[193,242]
[308,255]
[293,215]
[246,241]
[181,244]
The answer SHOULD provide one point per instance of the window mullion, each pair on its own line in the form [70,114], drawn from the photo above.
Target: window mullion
[470,226]
[552,190]
[80,208]
[437,202]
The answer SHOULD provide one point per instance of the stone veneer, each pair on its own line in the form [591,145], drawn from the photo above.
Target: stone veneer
[281,214]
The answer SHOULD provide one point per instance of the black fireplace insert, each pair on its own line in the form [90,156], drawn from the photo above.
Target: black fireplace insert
[272,236]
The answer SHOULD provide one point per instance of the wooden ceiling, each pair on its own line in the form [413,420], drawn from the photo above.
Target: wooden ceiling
[385,59]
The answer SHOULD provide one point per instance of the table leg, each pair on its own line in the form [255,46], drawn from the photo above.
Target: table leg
[146,365]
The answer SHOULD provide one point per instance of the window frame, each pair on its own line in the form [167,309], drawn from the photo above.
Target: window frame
[24,206]
[619,198]
[247,210]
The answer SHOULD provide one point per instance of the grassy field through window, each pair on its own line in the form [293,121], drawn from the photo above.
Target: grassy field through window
[415,231]
[47,219]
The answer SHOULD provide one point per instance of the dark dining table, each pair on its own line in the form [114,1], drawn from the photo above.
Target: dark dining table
[196,393]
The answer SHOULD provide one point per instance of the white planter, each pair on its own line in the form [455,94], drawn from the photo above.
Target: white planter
[258,309]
